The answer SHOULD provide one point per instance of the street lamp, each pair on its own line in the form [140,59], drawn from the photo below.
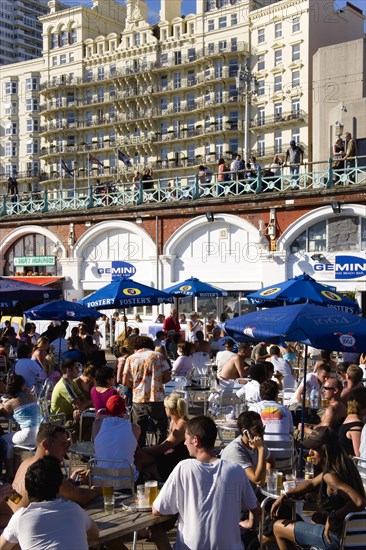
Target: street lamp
[246,84]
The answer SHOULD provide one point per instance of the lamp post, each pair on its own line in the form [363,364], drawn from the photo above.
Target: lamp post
[246,84]
[75,166]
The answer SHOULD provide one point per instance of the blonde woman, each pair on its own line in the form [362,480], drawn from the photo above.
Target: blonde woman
[167,454]
[40,351]
[350,431]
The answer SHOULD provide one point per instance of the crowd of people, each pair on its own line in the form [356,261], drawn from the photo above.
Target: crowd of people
[130,401]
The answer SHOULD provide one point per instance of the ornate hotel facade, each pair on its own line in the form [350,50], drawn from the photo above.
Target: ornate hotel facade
[235,77]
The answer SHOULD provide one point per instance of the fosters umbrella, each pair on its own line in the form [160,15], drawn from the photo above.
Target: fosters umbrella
[61,310]
[299,290]
[309,324]
[126,293]
[195,288]
[12,292]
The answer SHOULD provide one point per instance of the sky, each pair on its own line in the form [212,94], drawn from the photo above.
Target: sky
[189,6]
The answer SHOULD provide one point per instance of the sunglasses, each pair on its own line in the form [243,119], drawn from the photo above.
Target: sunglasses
[328,388]
[258,430]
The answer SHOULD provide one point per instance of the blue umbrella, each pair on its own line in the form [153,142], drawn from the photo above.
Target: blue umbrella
[299,290]
[195,287]
[309,324]
[12,292]
[61,310]
[125,293]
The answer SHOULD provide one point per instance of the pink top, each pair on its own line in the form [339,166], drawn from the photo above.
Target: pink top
[100,399]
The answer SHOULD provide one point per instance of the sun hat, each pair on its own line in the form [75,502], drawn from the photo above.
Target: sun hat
[317,438]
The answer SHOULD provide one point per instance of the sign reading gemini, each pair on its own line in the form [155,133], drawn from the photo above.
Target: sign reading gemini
[34,260]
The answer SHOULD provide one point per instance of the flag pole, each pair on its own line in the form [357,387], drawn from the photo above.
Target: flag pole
[88,169]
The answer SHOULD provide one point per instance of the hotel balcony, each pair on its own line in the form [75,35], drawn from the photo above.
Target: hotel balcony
[283,119]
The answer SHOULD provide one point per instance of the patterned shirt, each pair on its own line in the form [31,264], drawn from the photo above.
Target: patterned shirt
[145,370]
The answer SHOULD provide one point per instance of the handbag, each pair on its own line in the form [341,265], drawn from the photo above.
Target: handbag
[336,164]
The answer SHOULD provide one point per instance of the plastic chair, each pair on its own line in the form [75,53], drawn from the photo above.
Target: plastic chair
[361,467]
[353,534]
[281,450]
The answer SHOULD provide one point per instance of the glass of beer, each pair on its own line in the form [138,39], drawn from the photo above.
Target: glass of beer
[108,498]
[151,491]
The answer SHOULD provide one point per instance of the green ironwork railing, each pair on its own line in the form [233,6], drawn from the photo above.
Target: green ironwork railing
[65,197]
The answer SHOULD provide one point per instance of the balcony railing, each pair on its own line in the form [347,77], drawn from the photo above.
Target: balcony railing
[59,196]
[283,118]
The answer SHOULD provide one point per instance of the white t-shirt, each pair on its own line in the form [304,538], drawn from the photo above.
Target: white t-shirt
[116,441]
[209,498]
[283,367]
[250,391]
[29,369]
[49,525]
[276,418]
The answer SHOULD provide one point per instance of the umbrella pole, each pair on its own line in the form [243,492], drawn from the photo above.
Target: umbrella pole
[303,404]
[125,321]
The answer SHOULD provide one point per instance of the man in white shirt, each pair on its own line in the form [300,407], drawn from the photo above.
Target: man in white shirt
[49,521]
[207,493]
[281,366]
[316,379]
[276,418]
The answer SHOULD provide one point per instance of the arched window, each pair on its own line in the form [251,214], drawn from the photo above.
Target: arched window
[337,234]
[36,248]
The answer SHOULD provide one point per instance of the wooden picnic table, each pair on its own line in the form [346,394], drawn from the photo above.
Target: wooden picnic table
[125,522]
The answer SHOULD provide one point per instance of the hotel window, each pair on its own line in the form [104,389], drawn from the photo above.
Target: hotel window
[177,80]
[73,36]
[54,60]
[278,142]
[295,78]
[222,22]
[261,87]
[100,49]
[112,91]
[63,59]
[211,48]
[295,106]
[261,117]
[261,36]
[278,57]
[278,30]
[234,19]
[191,28]
[177,31]
[54,41]
[31,84]
[222,46]
[278,112]
[100,73]
[64,38]
[233,67]
[165,35]
[137,39]
[176,104]
[11,87]
[295,135]
[89,75]
[234,44]
[191,78]
[233,92]
[261,145]
[164,104]
[71,57]
[219,68]
[100,93]
[278,83]
[164,59]
[296,52]
[178,58]
[11,149]
[261,62]
[31,104]
[191,54]
[296,24]
[191,101]
[11,129]
[112,69]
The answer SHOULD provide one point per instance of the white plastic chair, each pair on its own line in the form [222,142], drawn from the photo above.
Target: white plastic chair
[361,467]
[281,450]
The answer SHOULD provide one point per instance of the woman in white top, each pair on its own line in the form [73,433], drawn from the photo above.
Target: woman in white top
[184,363]
[193,326]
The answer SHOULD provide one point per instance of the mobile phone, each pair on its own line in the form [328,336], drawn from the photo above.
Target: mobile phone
[247,434]
[14,497]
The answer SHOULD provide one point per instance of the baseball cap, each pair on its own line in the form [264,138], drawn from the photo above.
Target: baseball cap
[116,405]
[317,438]
[292,142]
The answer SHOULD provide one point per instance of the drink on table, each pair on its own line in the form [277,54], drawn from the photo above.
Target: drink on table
[151,491]
[108,498]
[309,468]
[279,480]
[272,481]
[314,398]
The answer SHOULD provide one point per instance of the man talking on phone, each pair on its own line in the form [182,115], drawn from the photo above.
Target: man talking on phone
[248,449]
